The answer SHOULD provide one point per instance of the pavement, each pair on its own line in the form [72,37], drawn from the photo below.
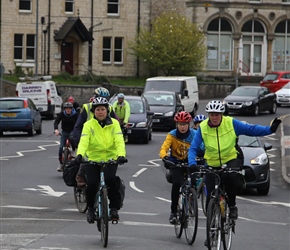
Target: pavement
[285,147]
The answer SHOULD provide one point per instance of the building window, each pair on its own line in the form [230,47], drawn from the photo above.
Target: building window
[18,47]
[109,47]
[118,50]
[219,45]
[30,47]
[281,50]
[113,7]
[69,6]
[254,1]
[285,1]
[25,5]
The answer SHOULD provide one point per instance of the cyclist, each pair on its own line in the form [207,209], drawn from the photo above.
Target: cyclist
[122,110]
[68,118]
[197,120]
[76,106]
[101,140]
[86,114]
[219,134]
[178,141]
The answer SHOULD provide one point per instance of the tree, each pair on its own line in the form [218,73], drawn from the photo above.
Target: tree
[174,45]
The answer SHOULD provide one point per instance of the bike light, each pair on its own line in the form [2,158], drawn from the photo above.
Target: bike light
[170,113]
[262,159]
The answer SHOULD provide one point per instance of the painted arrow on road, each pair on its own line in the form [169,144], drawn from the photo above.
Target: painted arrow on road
[46,190]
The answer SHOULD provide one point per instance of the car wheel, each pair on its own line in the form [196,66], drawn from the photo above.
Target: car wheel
[150,136]
[31,131]
[39,131]
[1,133]
[274,108]
[146,139]
[278,105]
[265,190]
[257,110]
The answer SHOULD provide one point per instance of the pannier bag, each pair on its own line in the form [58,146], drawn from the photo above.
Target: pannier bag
[69,174]
[121,190]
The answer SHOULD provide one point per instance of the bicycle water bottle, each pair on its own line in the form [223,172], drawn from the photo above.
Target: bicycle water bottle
[222,205]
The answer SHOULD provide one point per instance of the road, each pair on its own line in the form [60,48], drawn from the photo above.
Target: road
[38,210]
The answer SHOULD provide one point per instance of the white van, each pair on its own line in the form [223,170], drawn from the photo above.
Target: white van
[43,92]
[185,86]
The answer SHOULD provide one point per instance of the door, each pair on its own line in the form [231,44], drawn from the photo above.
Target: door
[67,57]
[252,59]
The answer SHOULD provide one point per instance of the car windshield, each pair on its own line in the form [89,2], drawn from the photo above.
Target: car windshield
[248,141]
[173,86]
[245,92]
[11,104]
[287,86]
[270,77]
[160,99]
[136,107]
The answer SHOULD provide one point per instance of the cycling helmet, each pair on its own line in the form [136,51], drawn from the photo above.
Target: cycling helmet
[199,118]
[68,105]
[99,101]
[182,116]
[102,92]
[71,99]
[215,106]
[121,95]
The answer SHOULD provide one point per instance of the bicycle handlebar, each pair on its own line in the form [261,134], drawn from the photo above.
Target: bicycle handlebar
[171,164]
[106,163]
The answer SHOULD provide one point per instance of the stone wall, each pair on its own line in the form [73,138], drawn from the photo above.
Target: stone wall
[84,93]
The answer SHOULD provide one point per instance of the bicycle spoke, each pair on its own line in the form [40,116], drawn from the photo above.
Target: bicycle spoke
[80,199]
[191,216]
[178,227]
[227,231]
[104,217]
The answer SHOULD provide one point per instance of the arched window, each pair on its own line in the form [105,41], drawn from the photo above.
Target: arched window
[281,48]
[219,45]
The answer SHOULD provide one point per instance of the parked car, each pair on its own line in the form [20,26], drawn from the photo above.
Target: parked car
[164,104]
[250,100]
[283,95]
[256,163]
[275,80]
[19,114]
[140,122]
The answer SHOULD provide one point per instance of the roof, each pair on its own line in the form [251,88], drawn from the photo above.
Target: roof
[73,23]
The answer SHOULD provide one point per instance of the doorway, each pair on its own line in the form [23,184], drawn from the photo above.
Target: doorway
[67,57]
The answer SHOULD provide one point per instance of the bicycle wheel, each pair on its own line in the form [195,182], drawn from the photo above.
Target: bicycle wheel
[178,227]
[213,226]
[66,154]
[80,199]
[228,226]
[191,216]
[104,217]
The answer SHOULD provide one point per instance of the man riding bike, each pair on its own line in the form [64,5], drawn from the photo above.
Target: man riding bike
[101,140]
[122,110]
[178,140]
[219,134]
[68,118]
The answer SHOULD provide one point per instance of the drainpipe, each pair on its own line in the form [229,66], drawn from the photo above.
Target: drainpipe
[138,30]
[48,38]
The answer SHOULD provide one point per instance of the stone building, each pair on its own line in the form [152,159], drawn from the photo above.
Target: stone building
[49,36]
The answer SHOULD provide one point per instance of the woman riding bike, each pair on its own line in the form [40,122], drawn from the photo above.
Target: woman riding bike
[101,140]
[178,140]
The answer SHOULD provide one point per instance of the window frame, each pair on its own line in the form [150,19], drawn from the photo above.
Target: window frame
[106,50]
[18,47]
[119,50]
[113,3]
[25,10]
[69,2]
[29,47]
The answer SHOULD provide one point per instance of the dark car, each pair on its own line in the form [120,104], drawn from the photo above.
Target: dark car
[275,80]
[140,122]
[164,104]
[256,163]
[19,114]
[250,100]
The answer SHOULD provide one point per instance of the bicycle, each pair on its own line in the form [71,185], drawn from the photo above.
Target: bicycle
[187,208]
[101,206]
[219,227]
[200,186]
[80,199]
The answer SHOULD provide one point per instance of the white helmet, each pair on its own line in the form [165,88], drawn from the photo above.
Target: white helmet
[215,107]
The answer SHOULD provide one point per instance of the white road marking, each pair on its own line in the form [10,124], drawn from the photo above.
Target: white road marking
[46,190]
[265,202]
[153,163]
[25,207]
[139,172]
[269,137]
[132,185]
[162,199]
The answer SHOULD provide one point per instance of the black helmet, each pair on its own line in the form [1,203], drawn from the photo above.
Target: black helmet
[68,105]
[99,101]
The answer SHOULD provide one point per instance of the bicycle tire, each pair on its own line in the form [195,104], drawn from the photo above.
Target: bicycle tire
[213,226]
[227,231]
[191,216]
[203,194]
[178,226]
[66,154]
[104,217]
[80,199]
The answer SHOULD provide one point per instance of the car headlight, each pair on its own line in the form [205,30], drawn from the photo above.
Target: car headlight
[141,125]
[170,113]
[262,159]
[225,102]
[248,103]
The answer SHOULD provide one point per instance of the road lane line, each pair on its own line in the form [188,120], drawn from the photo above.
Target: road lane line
[139,172]
[132,185]
[25,207]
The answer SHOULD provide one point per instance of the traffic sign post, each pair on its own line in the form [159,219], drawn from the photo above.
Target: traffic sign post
[2,70]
